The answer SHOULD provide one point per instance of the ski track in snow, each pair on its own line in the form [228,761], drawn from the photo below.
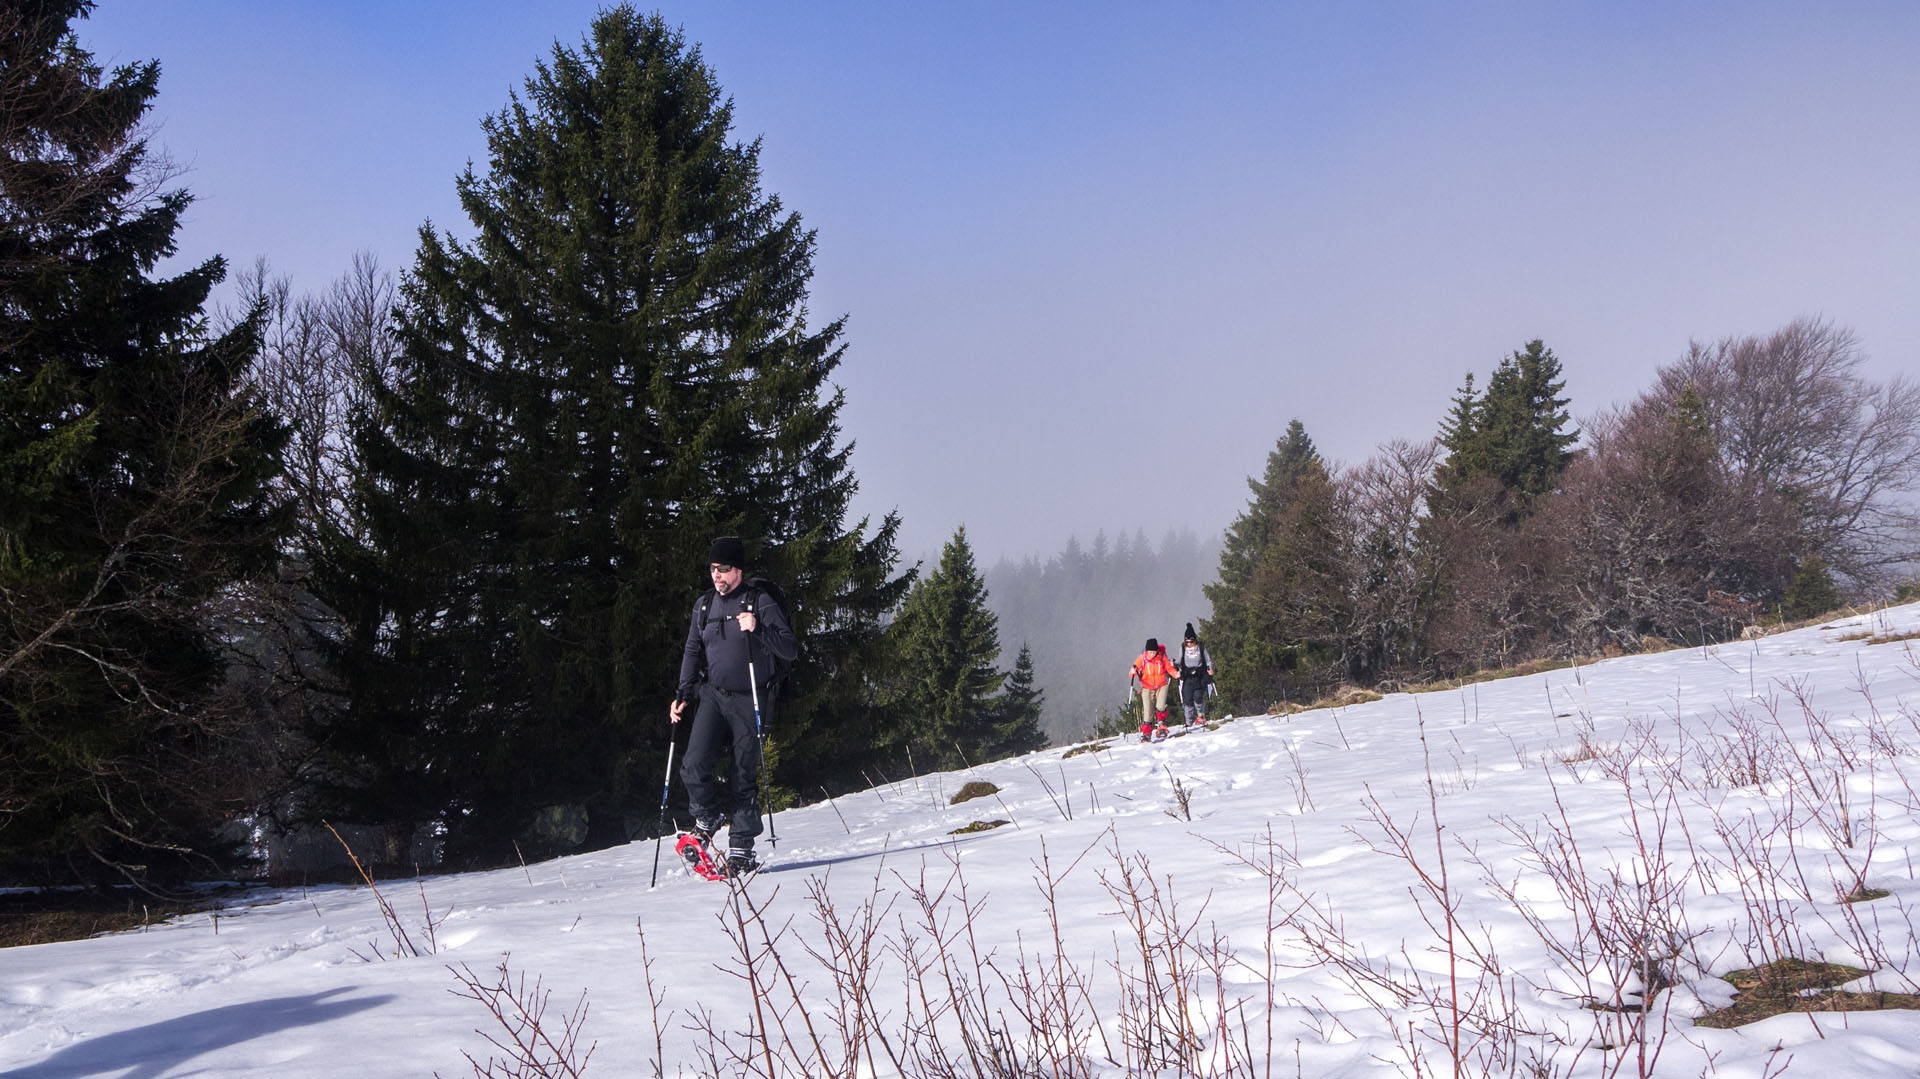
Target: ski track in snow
[279,984]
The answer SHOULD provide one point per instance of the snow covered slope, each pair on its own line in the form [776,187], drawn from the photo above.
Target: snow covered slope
[1489,874]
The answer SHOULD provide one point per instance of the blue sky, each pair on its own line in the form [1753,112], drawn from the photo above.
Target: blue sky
[1095,256]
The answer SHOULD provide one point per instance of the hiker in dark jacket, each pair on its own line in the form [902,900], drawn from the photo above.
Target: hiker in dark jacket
[1196,675]
[734,630]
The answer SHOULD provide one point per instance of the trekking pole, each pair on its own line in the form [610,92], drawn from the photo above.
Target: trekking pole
[665,789]
[753,682]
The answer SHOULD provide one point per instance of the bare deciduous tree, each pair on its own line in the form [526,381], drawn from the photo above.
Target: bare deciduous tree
[316,354]
[1390,572]
[1793,413]
[1662,541]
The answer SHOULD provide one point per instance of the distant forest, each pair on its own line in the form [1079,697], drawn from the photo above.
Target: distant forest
[1761,478]
[1086,612]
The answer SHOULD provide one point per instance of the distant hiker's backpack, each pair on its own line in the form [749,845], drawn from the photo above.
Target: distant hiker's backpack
[755,587]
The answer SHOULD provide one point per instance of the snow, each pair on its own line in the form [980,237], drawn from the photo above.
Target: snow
[1705,805]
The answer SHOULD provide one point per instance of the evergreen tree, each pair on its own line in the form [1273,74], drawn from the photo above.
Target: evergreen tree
[1506,450]
[1514,433]
[1813,592]
[615,370]
[1296,617]
[1244,637]
[1461,440]
[1018,730]
[134,479]
[946,694]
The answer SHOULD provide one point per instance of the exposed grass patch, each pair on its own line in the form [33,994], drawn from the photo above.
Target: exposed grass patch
[45,917]
[1871,637]
[1090,747]
[977,788]
[1863,894]
[1348,695]
[1341,697]
[979,826]
[1796,985]
[1534,666]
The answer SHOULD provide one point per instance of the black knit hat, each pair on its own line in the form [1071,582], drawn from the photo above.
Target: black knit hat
[727,551]
[1190,636]
[1153,645]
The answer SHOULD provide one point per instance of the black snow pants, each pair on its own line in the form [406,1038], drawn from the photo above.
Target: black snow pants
[723,734]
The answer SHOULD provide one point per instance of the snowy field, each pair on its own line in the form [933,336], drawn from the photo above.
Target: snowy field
[1481,881]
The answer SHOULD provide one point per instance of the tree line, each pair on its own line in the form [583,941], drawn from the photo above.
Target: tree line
[419,554]
[1760,476]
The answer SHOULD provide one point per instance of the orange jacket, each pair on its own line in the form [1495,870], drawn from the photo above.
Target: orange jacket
[1153,670]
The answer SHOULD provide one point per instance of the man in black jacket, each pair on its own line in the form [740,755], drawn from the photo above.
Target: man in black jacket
[735,636]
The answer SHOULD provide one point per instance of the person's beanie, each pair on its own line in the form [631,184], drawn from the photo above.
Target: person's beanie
[1153,645]
[1190,634]
[727,551]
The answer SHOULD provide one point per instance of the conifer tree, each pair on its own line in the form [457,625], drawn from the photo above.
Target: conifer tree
[1812,592]
[616,369]
[946,690]
[1514,433]
[1018,730]
[1505,453]
[1244,638]
[134,476]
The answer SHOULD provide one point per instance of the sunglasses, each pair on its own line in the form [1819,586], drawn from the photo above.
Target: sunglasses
[719,568]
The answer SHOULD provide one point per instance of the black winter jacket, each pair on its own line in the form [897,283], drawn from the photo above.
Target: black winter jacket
[717,651]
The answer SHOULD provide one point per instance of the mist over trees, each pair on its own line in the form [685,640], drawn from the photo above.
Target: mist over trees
[1085,612]
[1760,477]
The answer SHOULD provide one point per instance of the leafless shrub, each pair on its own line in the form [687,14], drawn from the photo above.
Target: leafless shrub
[1062,799]
[1159,994]
[1622,938]
[520,1010]
[656,996]
[1742,753]
[969,1011]
[1756,848]
[403,944]
[1182,798]
[1469,1019]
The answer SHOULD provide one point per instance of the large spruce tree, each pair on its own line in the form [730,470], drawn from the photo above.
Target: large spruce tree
[1247,639]
[946,691]
[615,369]
[1515,434]
[134,471]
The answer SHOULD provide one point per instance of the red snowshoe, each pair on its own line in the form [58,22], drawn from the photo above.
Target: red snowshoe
[699,857]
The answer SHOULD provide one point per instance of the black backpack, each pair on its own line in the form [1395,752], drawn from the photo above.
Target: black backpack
[756,587]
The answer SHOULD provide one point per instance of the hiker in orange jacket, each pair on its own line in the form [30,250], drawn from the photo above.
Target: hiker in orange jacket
[1153,674]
